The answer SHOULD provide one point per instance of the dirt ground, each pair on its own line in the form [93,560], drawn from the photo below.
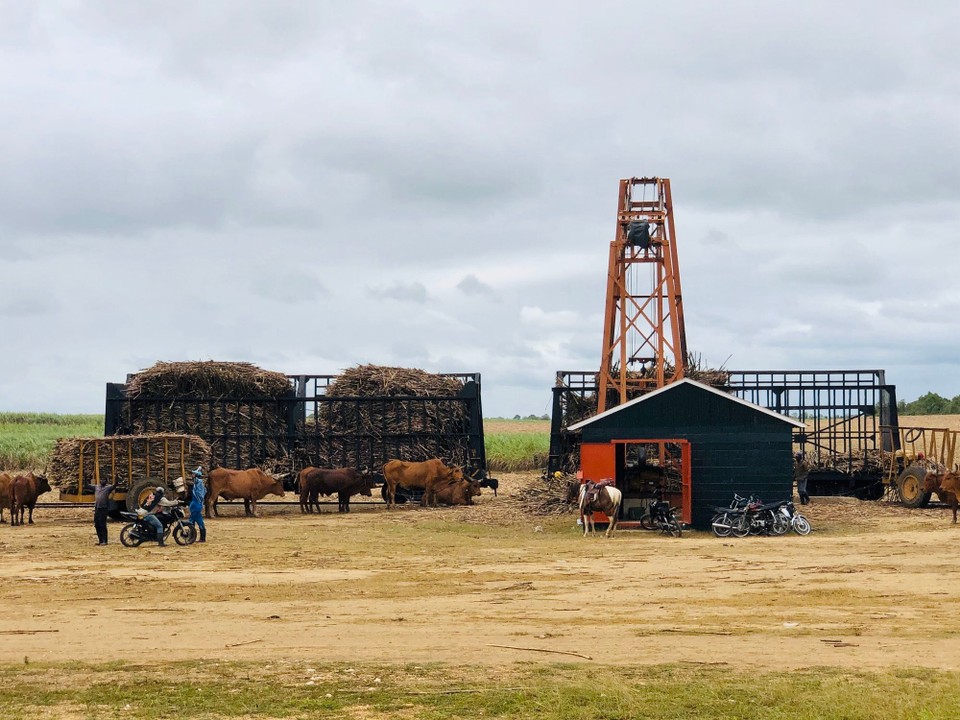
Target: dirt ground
[874,586]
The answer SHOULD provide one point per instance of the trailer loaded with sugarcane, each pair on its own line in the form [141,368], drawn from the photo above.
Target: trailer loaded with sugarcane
[133,464]
[361,418]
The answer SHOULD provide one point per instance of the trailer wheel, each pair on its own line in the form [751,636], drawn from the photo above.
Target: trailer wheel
[138,492]
[910,484]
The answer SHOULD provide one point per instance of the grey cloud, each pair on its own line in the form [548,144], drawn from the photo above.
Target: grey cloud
[288,287]
[27,306]
[472,285]
[406,292]
[261,168]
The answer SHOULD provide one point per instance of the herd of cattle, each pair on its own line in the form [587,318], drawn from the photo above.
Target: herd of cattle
[439,483]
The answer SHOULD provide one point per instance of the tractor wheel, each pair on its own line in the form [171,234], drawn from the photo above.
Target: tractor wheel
[910,484]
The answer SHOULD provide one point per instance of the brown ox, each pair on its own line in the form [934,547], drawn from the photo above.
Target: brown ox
[24,493]
[6,494]
[342,481]
[947,488]
[417,476]
[251,485]
[457,492]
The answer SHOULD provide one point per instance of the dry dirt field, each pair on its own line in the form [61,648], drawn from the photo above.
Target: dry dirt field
[873,587]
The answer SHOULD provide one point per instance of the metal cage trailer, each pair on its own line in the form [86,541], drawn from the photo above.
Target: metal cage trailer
[843,412]
[315,428]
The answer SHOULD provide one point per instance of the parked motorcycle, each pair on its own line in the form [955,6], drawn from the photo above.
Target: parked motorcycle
[800,525]
[760,518]
[660,516]
[172,520]
[724,518]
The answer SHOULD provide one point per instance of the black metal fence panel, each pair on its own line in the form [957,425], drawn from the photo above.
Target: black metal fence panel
[844,411]
[310,427]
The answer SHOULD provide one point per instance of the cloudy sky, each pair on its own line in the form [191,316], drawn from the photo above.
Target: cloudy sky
[312,185]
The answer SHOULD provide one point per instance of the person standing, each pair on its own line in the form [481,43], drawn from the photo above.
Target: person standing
[800,473]
[197,495]
[101,506]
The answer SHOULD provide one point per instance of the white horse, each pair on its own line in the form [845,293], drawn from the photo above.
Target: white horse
[607,501]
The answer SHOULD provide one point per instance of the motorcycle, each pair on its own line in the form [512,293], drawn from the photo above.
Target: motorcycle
[660,516]
[173,521]
[800,525]
[724,518]
[759,518]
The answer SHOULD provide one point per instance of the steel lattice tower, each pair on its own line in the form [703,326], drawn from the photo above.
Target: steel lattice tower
[644,342]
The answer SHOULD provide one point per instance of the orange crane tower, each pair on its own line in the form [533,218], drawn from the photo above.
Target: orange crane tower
[644,341]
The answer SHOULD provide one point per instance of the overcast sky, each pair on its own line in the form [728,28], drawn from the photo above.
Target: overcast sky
[312,185]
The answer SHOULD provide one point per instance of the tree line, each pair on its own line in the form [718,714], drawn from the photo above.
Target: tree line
[930,404]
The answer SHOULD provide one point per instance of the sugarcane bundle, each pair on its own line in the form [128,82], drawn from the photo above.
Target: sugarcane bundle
[375,410]
[239,408]
[119,459]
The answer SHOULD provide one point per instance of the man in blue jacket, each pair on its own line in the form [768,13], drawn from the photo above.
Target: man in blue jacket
[197,495]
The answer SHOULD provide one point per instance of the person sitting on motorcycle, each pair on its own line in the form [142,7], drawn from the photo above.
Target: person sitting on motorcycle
[149,510]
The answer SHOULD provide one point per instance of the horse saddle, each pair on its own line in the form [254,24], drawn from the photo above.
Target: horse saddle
[595,488]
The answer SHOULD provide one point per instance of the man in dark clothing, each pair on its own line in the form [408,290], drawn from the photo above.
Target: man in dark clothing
[101,506]
[800,473]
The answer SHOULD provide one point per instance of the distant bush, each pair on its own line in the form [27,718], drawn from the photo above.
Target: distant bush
[930,404]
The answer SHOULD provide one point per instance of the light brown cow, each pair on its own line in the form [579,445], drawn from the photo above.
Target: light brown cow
[947,488]
[251,485]
[417,476]
[6,494]
[457,492]
[24,493]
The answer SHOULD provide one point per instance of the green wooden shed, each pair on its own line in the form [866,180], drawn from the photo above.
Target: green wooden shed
[710,443]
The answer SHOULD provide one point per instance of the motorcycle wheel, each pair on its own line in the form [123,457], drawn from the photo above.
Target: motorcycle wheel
[647,523]
[740,527]
[127,536]
[674,527]
[184,534]
[779,524]
[721,524]
[801,525]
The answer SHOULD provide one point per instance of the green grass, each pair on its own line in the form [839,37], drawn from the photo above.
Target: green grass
[26,439]
[516,451]
[286,689]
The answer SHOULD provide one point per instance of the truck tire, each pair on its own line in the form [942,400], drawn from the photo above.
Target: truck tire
[910,485]
[140,489]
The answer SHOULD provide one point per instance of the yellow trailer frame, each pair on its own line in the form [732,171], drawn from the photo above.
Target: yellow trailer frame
[920,450]
[121,472]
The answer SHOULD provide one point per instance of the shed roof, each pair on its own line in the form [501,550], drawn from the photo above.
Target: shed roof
[673,386]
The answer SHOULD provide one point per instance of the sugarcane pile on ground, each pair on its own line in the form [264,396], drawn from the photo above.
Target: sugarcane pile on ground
[375,411]
[547,496]
[237,407]
[122,458]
